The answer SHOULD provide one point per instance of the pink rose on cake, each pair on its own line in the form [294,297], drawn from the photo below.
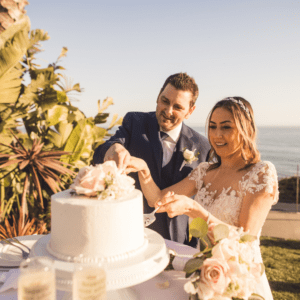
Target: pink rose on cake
[89,181]
[103,180]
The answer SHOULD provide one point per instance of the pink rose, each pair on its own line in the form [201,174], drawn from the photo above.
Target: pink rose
[106,177]
[89,181]
[213,278]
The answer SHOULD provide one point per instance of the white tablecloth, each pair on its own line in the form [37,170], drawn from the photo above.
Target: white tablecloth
[168,285]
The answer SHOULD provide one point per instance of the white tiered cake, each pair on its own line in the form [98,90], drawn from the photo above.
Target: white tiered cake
[100,219]
[88,230]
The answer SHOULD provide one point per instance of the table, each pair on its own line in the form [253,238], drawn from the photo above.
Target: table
[166,285]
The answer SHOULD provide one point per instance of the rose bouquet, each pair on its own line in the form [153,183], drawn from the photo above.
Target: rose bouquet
[104,181]
[225,269]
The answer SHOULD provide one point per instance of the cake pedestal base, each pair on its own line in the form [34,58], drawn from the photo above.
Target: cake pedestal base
[120,275]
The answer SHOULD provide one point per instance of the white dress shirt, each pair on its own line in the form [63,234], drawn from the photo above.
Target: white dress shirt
[169,143]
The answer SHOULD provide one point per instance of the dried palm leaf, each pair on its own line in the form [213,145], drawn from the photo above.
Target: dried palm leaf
[21,227]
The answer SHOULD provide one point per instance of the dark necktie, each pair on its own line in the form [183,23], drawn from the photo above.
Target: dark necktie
[163,135]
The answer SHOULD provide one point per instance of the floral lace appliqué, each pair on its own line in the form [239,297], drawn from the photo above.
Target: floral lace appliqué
[227,205]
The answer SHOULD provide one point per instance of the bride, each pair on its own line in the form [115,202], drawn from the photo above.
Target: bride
[235,188]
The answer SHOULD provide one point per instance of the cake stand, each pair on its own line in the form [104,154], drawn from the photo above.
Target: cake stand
[120,275]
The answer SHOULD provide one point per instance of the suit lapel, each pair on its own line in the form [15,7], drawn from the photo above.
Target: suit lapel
[184,142]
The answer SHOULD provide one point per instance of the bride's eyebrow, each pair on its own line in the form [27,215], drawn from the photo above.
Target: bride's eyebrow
[227,121]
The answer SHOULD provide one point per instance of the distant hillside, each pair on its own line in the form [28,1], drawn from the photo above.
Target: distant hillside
[287,190]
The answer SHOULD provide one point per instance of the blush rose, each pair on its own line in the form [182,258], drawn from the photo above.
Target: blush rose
[214,278]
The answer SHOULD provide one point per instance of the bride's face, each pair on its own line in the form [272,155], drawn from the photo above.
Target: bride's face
[223,133]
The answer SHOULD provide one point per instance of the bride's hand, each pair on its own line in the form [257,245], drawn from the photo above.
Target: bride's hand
[174,205]
[135,165]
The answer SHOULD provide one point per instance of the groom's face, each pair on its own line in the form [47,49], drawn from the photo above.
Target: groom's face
[173,106]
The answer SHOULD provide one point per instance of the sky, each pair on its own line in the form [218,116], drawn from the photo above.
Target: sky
[126,50]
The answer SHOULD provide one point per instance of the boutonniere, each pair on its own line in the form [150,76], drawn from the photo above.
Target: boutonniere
[188,156]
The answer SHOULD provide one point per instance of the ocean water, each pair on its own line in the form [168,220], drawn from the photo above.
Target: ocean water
[279,145]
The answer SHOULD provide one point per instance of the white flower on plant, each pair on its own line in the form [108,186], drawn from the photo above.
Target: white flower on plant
[104,180]
[188,156]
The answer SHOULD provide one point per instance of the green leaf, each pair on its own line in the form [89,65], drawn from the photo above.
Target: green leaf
[256,297]
[76,87]
[248,238]
[31,91]
[62,96]
[59,138]
[63,53]
[10,85]
[101,118]
[221,231]
[80,141]
[193,265]
[56,114]
[14,43]
[198,228]
[115,122]
[75,114]
[99,133]
[38,35]
[106,103]
[48,104]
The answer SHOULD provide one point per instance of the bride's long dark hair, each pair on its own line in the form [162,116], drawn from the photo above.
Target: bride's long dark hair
[242,113]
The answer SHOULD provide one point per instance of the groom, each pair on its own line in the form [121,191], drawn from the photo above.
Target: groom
[160,139]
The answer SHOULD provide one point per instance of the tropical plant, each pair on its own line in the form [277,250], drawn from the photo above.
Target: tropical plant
[21,227]
[37,165]
[36,99]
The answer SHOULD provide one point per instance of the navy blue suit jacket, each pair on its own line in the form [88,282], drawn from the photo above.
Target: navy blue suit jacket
[139,134]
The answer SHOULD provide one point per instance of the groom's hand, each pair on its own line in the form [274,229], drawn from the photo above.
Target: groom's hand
[119,154]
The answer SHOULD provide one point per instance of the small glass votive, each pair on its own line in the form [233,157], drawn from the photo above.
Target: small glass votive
[89,282]
[37,279]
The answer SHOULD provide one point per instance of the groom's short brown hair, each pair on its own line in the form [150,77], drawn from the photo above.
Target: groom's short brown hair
[183,82]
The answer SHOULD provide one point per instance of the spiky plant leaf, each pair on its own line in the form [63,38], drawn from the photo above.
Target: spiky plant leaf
[38,164]
[21,227]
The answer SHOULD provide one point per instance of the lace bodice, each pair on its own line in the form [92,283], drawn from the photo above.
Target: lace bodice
[227,205]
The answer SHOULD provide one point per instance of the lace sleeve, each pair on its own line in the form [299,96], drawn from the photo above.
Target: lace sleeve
[198,174]
[263,177]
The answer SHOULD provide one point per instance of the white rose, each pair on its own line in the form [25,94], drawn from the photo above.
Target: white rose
[110,167]
[225,249]
[122,185]
[188,155]
[189,288]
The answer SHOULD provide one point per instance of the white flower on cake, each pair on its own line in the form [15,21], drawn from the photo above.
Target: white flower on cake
[103,180]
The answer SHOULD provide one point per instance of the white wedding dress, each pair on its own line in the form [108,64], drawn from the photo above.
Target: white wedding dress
[227,205]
